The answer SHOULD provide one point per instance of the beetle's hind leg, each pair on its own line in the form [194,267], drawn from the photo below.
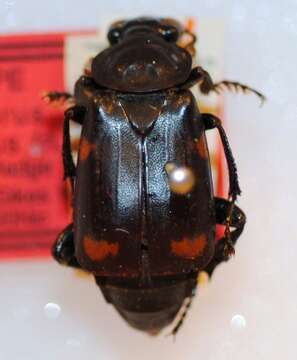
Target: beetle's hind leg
[63,249]
[236,218]
[227,213]
[187,305]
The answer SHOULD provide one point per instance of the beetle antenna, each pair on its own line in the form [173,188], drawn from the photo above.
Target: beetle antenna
[189,46]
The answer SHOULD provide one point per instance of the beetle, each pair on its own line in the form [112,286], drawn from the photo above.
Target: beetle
[144,210]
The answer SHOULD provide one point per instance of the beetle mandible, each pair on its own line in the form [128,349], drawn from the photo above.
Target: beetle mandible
[144,209]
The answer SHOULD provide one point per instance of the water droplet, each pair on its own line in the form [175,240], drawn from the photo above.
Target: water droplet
[238,322]
[52,310]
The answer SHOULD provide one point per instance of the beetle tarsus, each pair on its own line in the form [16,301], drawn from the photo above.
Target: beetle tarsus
[229,250]
[236,86]
[225,245]
[184,314]
[58,99]
[206,85]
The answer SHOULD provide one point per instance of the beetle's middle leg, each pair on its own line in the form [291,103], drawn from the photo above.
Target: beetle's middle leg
[237,221]
[63,249]
[75,113]
[210,122]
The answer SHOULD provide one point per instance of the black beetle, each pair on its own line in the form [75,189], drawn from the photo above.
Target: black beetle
[144,210]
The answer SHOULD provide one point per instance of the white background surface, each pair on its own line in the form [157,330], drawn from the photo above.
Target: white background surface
[260,283]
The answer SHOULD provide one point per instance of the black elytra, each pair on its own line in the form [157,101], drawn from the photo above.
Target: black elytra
[144,243]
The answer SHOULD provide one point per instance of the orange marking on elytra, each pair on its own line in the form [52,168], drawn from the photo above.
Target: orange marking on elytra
[202,147]
[189,248]
[99,250]
[85,149]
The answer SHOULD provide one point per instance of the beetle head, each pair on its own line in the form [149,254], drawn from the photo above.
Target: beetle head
[143,57]
[168,29]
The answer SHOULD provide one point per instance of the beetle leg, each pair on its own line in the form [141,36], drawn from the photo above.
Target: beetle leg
[211,121]
[236,86]
[237,220]
[75,113]
[58,99]
[190,45]
[206,84]
[184,313]
[63,248]
[68,163]
[201,76]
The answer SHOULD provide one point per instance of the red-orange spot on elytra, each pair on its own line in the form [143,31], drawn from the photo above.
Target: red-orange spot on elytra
[202,147]
[99,250]
[189,248]
[85,149]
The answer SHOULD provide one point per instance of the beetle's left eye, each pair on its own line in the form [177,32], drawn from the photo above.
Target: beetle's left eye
[170,33]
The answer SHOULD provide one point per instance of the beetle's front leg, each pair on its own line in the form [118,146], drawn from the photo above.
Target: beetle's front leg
[63,249]
[237,220]
[236,86]
[201,77]
[58,99]
[206,85]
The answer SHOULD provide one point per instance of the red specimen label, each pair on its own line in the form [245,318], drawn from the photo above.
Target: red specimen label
[33,209]
[33,206]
